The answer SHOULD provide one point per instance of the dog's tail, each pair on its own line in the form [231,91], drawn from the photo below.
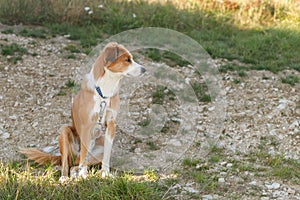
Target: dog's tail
[41,157]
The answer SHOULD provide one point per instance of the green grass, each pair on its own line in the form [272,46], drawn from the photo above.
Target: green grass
[35,33]
[161,93]
[152,146]
[13,52]
[264,40]
[70,87]
[24,182]
[290,79]
[201,91]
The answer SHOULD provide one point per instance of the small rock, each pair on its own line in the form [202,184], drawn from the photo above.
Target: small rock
[35,124]
[5,135]
[13,117]
[223,163]
[279,193]
[253,183]
[48,149]
[191,190]
[291,191]
[273,186]
[175,142]
[221,180]
[207,197]
[229,165]
[294,125]
[282,104]
[137,150]
[264,198]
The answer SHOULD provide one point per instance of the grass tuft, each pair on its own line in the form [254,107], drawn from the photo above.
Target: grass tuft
[290,79]
[18,182]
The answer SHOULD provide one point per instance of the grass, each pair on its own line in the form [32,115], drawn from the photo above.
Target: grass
[201,91]
[290,79]
[13,52]
[160,93]
[70,87]
[264,35]
[23,182]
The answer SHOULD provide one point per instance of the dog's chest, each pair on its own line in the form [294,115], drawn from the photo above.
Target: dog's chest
[99,109]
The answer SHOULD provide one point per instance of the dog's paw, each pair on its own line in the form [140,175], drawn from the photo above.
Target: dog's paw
[63,179]
[74,172]
[83,172]
[106,174]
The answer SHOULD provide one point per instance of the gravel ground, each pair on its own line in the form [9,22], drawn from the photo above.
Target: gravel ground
[34,104]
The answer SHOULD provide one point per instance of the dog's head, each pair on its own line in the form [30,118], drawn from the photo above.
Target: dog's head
[118,60]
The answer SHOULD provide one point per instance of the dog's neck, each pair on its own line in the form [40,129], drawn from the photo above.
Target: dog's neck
[109,83]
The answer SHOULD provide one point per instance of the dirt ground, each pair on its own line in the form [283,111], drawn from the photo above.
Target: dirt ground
[35,103]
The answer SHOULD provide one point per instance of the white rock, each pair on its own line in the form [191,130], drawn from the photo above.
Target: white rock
[191,190]
[48,149]
[5,135]
[207,197]
[229,165]
[282,104]
[264,198]
[253,183]
[279,193]
[175,142]
[294,125]
[221,180]
[273,186]
[13,117]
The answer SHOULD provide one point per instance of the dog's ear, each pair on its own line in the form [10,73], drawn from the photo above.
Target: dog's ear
[111,53]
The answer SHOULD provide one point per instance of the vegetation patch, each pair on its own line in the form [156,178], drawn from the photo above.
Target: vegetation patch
[24,182]
[290,79]
[13,52]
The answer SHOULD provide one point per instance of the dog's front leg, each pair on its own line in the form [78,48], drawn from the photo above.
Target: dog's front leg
[108,142]
[84,154]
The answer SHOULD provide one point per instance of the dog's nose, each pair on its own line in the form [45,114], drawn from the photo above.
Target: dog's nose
[143,70]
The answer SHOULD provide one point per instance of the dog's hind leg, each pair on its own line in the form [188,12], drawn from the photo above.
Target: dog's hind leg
[67,145]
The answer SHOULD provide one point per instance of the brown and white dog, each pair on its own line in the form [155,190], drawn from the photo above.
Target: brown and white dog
[98,100]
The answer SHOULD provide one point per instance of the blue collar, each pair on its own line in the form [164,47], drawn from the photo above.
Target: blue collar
[100,92]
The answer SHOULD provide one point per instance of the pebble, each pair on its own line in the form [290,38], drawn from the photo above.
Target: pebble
[207,197]
[191,190]
[221,180]
[175,142]
[5,135]
[48,149]
[273,186]
[253,183]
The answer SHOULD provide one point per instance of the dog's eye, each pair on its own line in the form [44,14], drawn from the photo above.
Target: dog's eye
[128,60]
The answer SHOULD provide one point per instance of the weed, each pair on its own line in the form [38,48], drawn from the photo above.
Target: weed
[35,33]
[152,146]
[70,86]
[236,81]
[290,79]
[161,93]
[242,73]
[201,91]
[13,52]
[8,31]
[144,123]
[70,56]
[188,162]
[151,175]
[12,49]
[72,48]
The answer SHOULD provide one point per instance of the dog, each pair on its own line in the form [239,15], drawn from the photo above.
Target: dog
[95,107]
